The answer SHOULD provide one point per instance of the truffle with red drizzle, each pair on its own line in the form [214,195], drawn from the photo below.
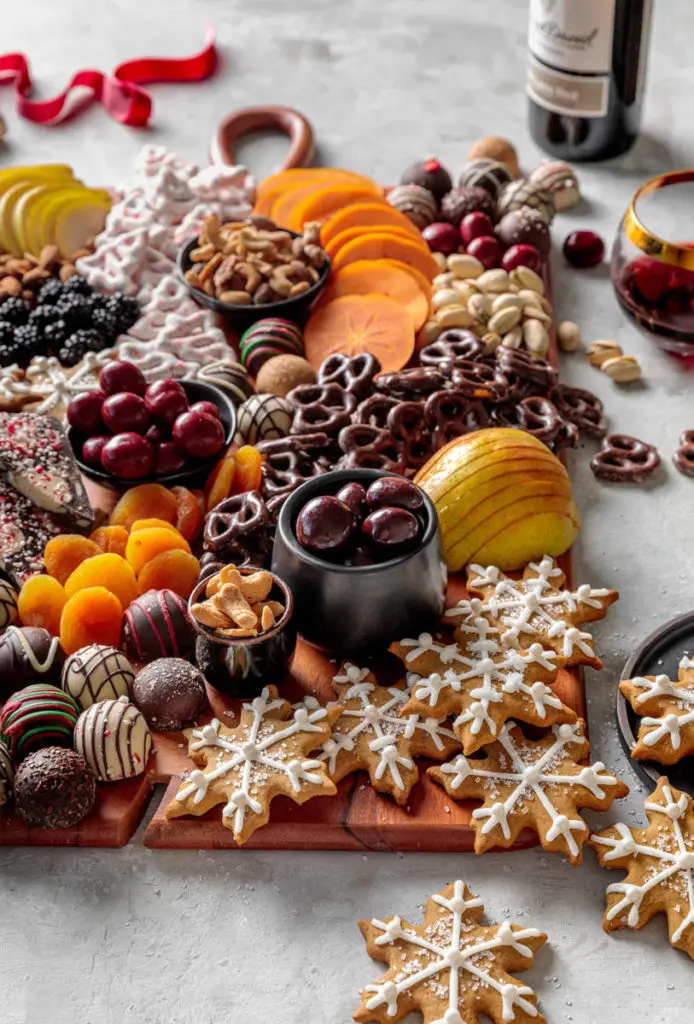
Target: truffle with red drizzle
[157,625]
[114,739]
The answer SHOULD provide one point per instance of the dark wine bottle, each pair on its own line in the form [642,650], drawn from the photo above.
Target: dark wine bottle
[586,67]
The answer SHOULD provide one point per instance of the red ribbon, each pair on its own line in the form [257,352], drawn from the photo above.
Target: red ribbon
[119,93]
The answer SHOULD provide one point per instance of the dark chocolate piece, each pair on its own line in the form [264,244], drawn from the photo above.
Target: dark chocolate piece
[170,693]
[54,788]
[156,625]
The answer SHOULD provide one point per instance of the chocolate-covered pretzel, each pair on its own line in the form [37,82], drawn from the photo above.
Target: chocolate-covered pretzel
[478,380]
[288,461]
[517,365]
[368,447]
[624,459]
[353,373]
[451,414]
[238,529]
[683,459]
[414,382]
[580,407]
[374,410]
[539,417]
[321,407]
[453,345]
[566,437]
[407,423]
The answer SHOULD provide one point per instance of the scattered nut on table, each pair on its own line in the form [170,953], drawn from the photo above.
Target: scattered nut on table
[600,351]
[622,369]
[568,336]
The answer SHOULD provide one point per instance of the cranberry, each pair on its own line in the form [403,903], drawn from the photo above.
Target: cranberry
[166,405]
[442,237]
[584,249]
[651,278]
[168,459]
[395,491]
[475,225]
[164,385]
[209,407]
[119,375]
[125,412]
[393,530]
[128,456]
[84,412]
[92,449]
[353,496]
[325,526]
[487,250]
[521,256]
[156,435]
[198,434]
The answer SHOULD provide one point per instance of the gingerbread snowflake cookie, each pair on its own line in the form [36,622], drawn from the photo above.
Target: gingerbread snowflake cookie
[535,784]
[481,682]
[659,861]
[451,968]
[666,730]
[536,609]
[370,733]
[246,767]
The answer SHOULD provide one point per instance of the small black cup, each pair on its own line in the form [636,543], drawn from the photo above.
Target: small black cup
[241,667]
[350,610]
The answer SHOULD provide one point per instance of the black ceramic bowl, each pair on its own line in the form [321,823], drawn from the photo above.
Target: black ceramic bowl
[240,318]
[350,610]
[197,391]
[239,666]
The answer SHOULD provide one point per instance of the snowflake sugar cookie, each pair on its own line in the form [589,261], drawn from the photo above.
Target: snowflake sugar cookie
[482,682]
[536,609]
[666,731]
[660,865]
[47,386]
[370,733]
[534,784]
[451,968]
[263,757]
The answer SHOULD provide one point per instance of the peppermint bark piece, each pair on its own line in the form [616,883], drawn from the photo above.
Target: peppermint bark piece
[666,707]
[246,767]
[481,682]
[659,861]
[536,609]
[451,968]
[535,784]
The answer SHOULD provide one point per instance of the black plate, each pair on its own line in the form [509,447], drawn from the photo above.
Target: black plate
[197,391]
[659,654]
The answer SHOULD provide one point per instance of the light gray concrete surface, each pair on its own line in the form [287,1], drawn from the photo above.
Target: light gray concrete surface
[147,937]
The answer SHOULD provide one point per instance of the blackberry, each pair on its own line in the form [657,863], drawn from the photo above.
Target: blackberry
[51,291]
[74,310]
[9,353]
[77,285]
[15,311]
[77,346]
[106,324]
[6,333]
[126,310]
[43,316]
[55,334]
[30,341]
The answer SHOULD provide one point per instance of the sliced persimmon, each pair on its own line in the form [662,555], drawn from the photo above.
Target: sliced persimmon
[322,203]
[418,276]
[380,277]
[306,175]
[379,245]
[361,323]
[365,215]
[333,247]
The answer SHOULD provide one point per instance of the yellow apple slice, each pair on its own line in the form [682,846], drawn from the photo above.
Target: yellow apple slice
[22,210]
[14,183]
[77,221]
[44,216]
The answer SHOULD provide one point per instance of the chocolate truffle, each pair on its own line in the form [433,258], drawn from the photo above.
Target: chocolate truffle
[263,418]
[417,204]
[461,201]
[170,692]
[524,227]
[561,181]
[97,673]
[54,788]
[157,625]
[6,774]
[526,193]
[282,373]
[28,655]
[490,175]
[428,174]
[496,148]
[114,739]
[230,377]
[35,717]
[8,605]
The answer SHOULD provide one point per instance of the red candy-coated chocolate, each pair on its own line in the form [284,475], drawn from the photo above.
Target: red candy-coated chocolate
[119,375]
[584,249]
[127,456]
[521,256]
[442,237]
[84,412]
[487,250]
[125,412]
[475,225]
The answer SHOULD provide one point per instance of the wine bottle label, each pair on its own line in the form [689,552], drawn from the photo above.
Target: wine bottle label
[577,95]
[573,35]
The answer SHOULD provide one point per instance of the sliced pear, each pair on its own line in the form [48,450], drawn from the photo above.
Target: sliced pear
[22,210]
[45,212]
[40,172]
[79,220]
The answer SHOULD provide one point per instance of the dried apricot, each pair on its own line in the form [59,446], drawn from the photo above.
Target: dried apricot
[64,553]
[109,571]
[220,482]
[147,501]
[171,570]
[111,539]
[188,519]
[150,524]
[41,602]
[248,465]
[147,544]
[91,616]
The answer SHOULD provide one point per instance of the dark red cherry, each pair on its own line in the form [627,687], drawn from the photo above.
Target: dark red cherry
[84,412]
[442,237]
[119,375]
[353,496]
[168,459]
[92,449]
[584,249]
[651,278]
[487,250]
[521,256]
[164,385]
[156,435]
[198,434]
[475,225]
[166,405]
[125,412]
[209,407]
[127,456]
[325,526]
[394,491]
[391,530]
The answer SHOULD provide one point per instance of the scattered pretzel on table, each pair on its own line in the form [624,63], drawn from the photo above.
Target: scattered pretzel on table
[624,459]
[252,119]
[683,459]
